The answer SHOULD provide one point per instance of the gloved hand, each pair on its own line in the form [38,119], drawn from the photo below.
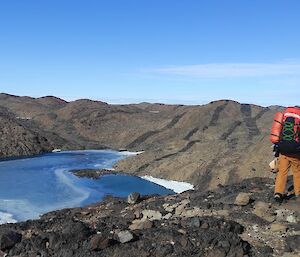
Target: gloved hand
[274,165]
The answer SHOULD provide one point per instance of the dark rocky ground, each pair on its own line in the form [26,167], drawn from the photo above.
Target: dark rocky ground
[92,173]
[233,221]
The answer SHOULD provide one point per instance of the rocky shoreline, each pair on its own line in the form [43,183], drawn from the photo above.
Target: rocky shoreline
[236,220]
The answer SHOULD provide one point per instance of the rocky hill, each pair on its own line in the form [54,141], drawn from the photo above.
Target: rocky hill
[17,139]
[217,143]
[232,221]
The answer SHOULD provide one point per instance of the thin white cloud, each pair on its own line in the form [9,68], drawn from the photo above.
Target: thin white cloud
[231,70]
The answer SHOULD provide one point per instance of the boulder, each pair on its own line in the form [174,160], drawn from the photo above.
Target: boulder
[195,212]
[195,222]
[205,225]
[133,198]
[167,216]
[242,199]
[151,215]
[125,236]
[291,219]
[168,207]
[263,210]
[182,231]
[283,215]
[99,242]
[77,230]
[8,239]
[277,227]
[141,224]
[181,207]
[224,213]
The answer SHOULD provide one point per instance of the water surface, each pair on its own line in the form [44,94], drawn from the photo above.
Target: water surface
[30,187]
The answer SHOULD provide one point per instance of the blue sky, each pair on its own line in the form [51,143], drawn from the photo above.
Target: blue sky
[171,51]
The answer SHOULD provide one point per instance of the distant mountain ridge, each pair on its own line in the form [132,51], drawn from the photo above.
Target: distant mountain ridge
[217,143]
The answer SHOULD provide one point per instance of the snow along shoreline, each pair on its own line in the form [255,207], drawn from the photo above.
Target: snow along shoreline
[176,186]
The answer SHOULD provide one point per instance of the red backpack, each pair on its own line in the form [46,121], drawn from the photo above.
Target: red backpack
[289,141]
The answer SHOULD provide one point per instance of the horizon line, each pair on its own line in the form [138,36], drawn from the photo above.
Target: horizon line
[132,101]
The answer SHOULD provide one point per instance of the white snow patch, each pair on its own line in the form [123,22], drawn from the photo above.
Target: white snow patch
[6,218]
[130,153]
[176,186]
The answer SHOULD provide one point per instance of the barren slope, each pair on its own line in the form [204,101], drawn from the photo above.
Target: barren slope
[217,143]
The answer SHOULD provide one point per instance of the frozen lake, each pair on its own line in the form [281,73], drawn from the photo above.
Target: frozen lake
[30,187]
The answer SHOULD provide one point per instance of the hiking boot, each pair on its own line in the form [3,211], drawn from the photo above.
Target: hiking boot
[278,198]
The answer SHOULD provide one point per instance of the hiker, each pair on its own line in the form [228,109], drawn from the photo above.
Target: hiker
[285,135]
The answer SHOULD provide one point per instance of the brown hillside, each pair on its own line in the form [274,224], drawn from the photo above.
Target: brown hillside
[221,142]
[17,139]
